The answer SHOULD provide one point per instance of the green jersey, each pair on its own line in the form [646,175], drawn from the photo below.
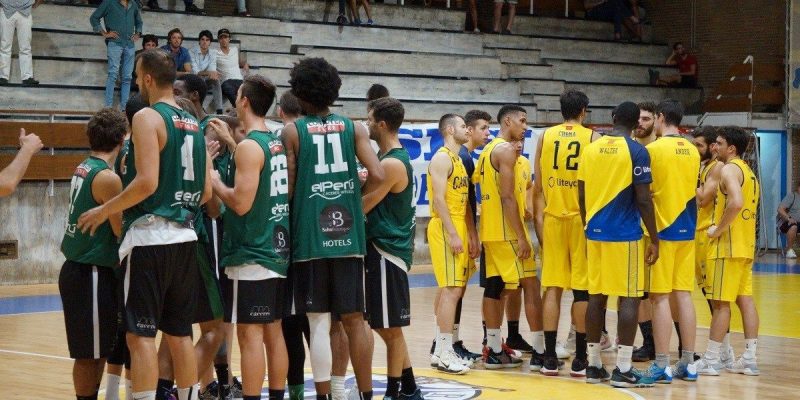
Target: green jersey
[327,218]
[261,236]
[119,163]
[100,249]
[181,175]
[390,225]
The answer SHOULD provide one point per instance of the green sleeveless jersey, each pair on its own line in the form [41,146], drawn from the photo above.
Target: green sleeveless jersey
[119,163]
[262,235]
[181,175]
[100,249]
[327,217]
[390,225]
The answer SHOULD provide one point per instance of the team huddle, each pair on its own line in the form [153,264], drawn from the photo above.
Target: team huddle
[222,222]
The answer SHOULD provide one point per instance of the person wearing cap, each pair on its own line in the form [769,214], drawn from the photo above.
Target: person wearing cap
[229,66]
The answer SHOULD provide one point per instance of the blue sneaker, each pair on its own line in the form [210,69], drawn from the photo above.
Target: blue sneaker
[686,372]
[658,374]
[630,379]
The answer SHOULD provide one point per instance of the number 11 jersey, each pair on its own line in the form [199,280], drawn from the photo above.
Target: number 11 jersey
[561,150]
[327,217]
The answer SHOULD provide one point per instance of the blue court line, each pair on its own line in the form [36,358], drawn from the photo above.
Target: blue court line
[51,303]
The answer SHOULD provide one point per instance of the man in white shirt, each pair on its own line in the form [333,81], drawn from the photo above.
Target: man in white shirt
[204,64]
[228,66]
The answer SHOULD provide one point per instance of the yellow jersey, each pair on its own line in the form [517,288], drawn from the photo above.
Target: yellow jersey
[739,239]
[704,214]
[457,187]
[493,225]
[674,164]
[522,177]
[558,163]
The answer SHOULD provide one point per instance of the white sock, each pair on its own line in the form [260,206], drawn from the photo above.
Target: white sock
[750,346]
[189,393]
[128,389]
[593,355]
[712,352]
[455,333]
[112,387]
[537,341]
[624,356]
[337,385]
[148,395]
[494,340]
[319,346]
[444,342]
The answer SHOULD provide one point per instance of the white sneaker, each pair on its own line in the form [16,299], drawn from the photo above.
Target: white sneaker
[791,254]
[449,362]
[708,367]
[744,366]
[561,351]
[727,357]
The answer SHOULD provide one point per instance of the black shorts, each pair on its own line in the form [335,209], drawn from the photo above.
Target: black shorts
[387,297]
[334,285]
[493,286]
[88,294]
[785,226]
[162,291]
[255,302]
[688,81]
[209,293]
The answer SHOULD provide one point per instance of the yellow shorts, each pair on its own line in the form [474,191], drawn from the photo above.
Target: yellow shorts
[501,260]
[700,250]
[616,268]
[450,269]
[564,253]
[729,278]
[674,269]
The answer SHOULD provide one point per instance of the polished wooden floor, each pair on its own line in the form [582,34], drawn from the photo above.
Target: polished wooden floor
[34,363]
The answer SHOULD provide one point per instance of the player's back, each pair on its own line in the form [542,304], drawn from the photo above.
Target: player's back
[739,239]
[674,162]
[558,162]
[493,225]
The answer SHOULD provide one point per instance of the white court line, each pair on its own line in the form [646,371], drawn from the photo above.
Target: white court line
[31,313]
[25,353]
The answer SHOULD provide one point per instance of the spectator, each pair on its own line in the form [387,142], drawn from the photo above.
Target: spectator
[377,91]
[15,15]
[354,6]
[190,8]
[788,215]
[498,12]
[11,175]
[472,11]
[228,66]
[616,11]
[123,26]
[341,19]
[180,54]
[241,8]
[687,69]
[204,64]
[149,41]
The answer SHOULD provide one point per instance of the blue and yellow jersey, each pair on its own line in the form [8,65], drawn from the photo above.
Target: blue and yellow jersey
[674,162]
[558,163]
[704,214]
[609,169]
[457,188]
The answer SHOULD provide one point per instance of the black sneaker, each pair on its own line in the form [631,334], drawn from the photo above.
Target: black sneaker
[644,353]
[236,389]
[518,343]
[492,360]
[193,9]
[30,81]
[462,351]
[3,81]
[433,346]
[153,5]
[578,369]
[341,19]
[224,392]
[211,392]
[549,366]
[631,379]
[537,361]
[597,374]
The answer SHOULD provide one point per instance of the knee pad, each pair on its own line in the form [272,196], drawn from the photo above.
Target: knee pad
[320,346]
[646,296]
[580,295]
[494,288]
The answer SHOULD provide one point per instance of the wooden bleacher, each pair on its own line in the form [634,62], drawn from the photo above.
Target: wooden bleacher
[65,146]
[750,87]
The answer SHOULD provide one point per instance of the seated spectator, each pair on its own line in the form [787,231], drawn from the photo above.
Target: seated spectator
[228,65]
[190,8]
[180,54]
[498,12]
[377,91]
[687,69]
[16,16]
[616,11]
[12,174]
[204,64]
[123,26]
[354,6]
[788,215]
[149,41]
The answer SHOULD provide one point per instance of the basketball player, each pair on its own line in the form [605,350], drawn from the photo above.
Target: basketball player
[12,174]
[87,283]
[559,227]
[675,162]
[731,247]
[614,196]
[507,247]
[166,161]
[447,237]
[322,149]
[390,246]
[194,89]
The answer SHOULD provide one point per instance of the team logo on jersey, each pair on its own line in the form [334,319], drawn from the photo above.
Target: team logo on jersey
[329,190]
[279,212]
[637,170]
[328,127]
[275,147]
[82,171]
[280,240]
[185,124]
[335,222]
[260,311]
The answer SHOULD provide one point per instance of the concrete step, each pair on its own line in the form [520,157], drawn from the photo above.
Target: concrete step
[613,95]
[568,28]
[600,72]
[568,49]
[541,86]
[429,111]
[65,72]
[517,56]
[547,101]
[525,71]
[264,42]
[461,66]
[596,115]
[275,60]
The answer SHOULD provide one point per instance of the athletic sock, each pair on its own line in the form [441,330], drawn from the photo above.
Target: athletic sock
[580,345]
[337,385]
[189,393]
[276,394]
[444,342]
[662,360]
[483,323]
[624,356]
[92,397]
[550,343]
[323,397]
[222,373]
[680,340]
[296,392]
[392,386]
[245,397]
[409,384]
[647,332]
[593,354]
[513,328]
[163,389]
[712,353]
[455,333]
[537,342]
[750,346]
[146,395]
[687,357]
[494,340]
[365,395]
[112,387]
